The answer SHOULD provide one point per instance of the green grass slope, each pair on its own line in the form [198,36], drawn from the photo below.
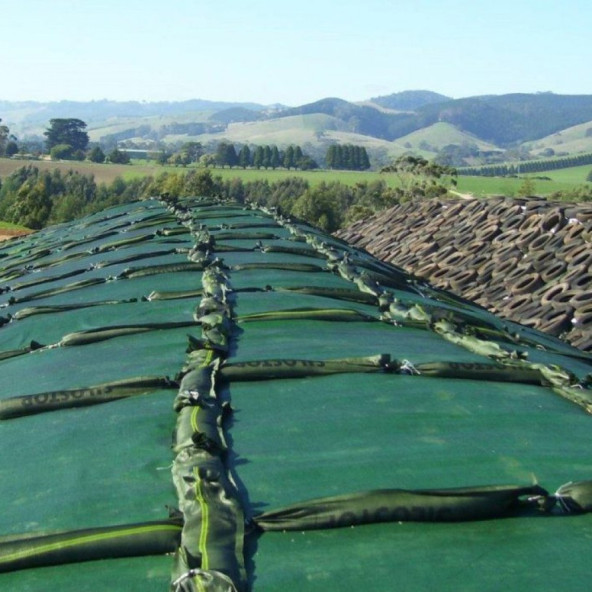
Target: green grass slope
[442,134]
[314,128]
[571,140]
[9,230]
[283,131]
[116,125]
[9,226]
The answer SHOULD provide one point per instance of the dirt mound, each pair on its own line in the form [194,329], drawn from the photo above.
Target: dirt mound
[527,260]
[6,233]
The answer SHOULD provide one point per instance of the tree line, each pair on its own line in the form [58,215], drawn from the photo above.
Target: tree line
[343,157]
[347,157]
[328,205]
[267,157]
[34,198]
[529,166]
[67,139]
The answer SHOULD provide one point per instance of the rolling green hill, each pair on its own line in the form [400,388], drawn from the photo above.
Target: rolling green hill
[362,119]
[316,129]
[577,138]
[422,121]
[438,135]
[513,118]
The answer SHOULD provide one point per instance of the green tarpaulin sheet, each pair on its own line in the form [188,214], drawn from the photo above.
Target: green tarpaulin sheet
[285,440]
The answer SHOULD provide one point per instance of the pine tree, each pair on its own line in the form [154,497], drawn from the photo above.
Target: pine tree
[67,131]
[364,160]
[275,161]
[266,156]
[330,157]
[231,156]
[244,157]
[339,157]
[226,155]
[288,161]
[258,157]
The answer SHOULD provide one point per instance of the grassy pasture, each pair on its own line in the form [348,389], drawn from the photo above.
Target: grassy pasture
[574,175]
[563,179]
[477,186]
[313,177]
[8,226]
[139,168]
[8,230]
[484,186]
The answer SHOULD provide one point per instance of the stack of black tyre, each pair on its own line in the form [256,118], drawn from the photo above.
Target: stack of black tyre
[526,259]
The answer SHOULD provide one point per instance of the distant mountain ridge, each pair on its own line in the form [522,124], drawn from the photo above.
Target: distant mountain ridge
[362,119]
[100,109]
[502,121]
[513,118]
[410,100]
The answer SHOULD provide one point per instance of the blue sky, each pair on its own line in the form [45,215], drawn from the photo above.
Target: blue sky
[290,52]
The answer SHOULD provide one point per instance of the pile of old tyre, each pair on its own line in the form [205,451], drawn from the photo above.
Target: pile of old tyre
[527,259]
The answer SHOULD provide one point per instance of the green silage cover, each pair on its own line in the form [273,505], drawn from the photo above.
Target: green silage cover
[289,440]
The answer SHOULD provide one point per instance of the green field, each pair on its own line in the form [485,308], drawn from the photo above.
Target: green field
[575,175]
[313,177]
[484,186]
[10,226]
[561,180]
[8,230]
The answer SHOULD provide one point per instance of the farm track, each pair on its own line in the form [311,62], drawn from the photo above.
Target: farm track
[103,173]
[7,233]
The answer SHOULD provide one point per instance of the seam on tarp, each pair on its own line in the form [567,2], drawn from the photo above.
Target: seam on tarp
[210,554]
[90,544]
[23,405]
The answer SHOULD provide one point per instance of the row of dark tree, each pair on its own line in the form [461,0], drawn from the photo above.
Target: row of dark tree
[347,157]
[268,157]
[529,166]
[343,157]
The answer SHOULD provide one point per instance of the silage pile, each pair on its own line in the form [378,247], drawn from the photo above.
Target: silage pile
[528,260]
